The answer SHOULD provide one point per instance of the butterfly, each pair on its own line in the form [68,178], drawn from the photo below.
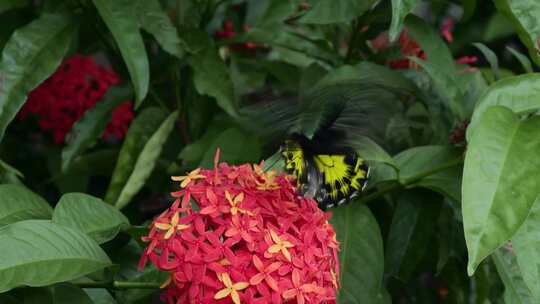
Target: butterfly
[331,175]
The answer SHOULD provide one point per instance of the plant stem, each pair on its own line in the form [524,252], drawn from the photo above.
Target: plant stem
[119,285]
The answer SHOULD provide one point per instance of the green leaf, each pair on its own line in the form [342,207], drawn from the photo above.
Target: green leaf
[146,161]
[400,9]
[500,144]
[469,6]
[211,77]
[524,16]
[6,5]
[32,54]
[523,60]
[337,11]
[361,255]
[139,132]
[491,57]
[410,232]
[121,19]
[89,214]
[236,145]
[17,203]
[440,65]
[526,245]
[65,293]
[371,151]
[100,296]
[276,11]
[155,21]
[520,93]
[8,168]
[433,167]
[90,127]
[40,253]
[516,290]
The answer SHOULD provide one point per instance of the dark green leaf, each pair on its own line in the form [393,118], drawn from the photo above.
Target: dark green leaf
[32,54]
[211,77]
[276,11]
[469,6]
[140,131]
[521,94]
[337,11]
[440,64]
[121,19]
[400,9]
[500,144]
[40,253]
[154,20]
[91,215]
[100,296]
[90,127]
[523,60]
[491,57]
[361,256]
[146,161]
[236,145]
[516,291]
[17,203]
[410,231]
[6,5]
[65,293]
[524,16]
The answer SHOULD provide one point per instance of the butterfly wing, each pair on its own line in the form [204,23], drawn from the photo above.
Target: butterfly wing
[343,176]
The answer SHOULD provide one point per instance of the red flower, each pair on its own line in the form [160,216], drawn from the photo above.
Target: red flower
[77,85]
[254,240]
[227,32]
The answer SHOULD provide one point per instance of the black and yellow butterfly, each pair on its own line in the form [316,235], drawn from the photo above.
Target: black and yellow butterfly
[329,174]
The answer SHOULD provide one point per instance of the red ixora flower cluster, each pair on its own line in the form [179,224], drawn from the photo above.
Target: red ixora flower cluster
[227,32]
[253,240]
[77,85]
[410,48]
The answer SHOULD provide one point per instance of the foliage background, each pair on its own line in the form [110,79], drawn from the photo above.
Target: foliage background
[443,197]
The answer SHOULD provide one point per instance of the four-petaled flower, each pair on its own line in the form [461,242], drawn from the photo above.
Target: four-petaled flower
[172,226]
[280,245]
[234,202]
[230,288]
[299,289]
[264,273]
[186,179]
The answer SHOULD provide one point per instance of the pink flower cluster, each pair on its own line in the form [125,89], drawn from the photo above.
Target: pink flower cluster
[77,85]
[252,240]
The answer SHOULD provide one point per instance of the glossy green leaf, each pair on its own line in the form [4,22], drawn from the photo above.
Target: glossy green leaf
[153,19]
[139,132]
[40,253]
[90,127]
[211,77]
[65,293]
[146,161]
[121,19]
[500,144]
[523,60]
[520,93]
[32,54]
[526,246]
[434,167]
[17,203]
[516,291]
[491,58]
[101,221]
[410,232]
[6,5]
[524,16]
[371,151]
[337,11]
[400,9]
[361,255]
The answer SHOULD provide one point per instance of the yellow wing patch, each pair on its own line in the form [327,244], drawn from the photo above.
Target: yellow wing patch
[336,173]
[294,159]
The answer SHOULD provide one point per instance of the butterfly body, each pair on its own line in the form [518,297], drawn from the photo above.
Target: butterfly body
[330,174]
